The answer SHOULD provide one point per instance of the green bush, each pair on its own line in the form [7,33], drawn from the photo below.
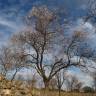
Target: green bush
[87,89]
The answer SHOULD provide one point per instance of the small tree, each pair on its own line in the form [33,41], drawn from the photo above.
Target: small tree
[60,77]
[32,82]
[18,61]
[5,60]
[52,84]
[10,60]
[73,84]
[94,80]
[87,89]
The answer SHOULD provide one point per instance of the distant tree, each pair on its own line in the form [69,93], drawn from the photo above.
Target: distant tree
[73,84]
[10,60]
[52,84]
[32,82]
[60,77]
[94,80]
[41,83]
[20,77]
[87,89]
[5,60]
[18,61]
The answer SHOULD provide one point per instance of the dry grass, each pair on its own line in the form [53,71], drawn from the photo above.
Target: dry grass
[55,93]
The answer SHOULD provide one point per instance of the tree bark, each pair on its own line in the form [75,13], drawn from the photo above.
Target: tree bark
[46,91]
[59,92]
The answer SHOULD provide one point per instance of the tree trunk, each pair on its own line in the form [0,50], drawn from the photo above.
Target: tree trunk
[46,91]
[13,77]
[46,85]
[59,91]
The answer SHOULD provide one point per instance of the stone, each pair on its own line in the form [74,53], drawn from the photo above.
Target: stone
[14,88]
[6,92]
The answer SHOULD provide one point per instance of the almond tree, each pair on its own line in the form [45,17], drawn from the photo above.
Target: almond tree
[45,47]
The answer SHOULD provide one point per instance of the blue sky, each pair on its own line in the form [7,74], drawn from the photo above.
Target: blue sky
[13,11]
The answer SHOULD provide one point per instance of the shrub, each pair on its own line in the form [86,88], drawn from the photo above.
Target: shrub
[88,89]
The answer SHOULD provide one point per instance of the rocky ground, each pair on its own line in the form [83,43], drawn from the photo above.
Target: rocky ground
[14,88]
[18,88]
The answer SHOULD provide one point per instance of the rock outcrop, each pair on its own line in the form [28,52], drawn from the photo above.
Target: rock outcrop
[14,88]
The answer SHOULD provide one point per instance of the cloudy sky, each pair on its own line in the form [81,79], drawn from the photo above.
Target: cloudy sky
[12,13]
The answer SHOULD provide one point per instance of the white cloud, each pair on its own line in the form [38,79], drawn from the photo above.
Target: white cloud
[10,24]
[83,77]
[7,23]
[9,28]
[84,26]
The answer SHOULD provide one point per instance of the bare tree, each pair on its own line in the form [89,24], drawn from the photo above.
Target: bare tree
[60,77]
[18,62]
[93,74]
[52,83]
[32,82]
[10,60]
[46,38]
[5,60]
[91,12]
[73,83]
